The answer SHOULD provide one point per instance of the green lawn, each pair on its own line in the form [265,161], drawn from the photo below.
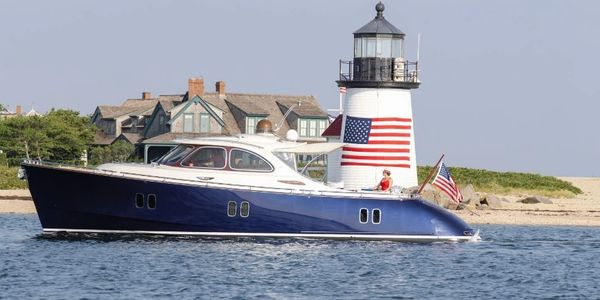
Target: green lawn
[508,182]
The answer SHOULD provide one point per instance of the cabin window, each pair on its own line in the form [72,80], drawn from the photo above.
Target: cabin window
[288,158]
[248,161]
[204,123]
[244,209]
[188,122]
[206,157]
[151,201]
[376,216]
[363,216]
[231,208]
[139,200]
[176,154]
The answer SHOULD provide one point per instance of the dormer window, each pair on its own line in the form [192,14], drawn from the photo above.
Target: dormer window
[251,122]
[311,127]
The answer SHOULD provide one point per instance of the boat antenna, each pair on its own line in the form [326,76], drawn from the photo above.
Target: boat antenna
[287,113]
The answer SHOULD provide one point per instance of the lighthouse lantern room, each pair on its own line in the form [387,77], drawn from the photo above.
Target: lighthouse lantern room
[377,125]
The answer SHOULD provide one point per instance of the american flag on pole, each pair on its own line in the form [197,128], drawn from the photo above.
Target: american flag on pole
[443,180]
[377,142]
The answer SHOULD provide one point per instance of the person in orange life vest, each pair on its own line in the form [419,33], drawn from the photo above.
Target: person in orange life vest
[386,182]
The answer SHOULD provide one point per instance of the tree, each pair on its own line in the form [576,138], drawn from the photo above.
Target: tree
[2,107]
[61,135]
[118,151]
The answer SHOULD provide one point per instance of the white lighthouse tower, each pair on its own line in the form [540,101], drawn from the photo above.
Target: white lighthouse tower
[378,123]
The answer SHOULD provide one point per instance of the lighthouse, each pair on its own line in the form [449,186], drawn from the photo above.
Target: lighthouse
[377,121]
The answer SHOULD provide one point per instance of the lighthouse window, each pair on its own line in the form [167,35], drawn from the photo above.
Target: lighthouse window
[363,216]
[357,47]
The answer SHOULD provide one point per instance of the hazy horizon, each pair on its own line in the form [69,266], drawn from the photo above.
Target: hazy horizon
[506,85]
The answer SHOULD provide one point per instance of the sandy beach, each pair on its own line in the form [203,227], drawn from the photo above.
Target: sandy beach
[582,210]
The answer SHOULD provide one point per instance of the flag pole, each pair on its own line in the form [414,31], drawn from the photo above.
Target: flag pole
[430,174]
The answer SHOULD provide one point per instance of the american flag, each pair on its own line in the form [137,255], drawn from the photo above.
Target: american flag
[377,142]
[342,90]
[443,180]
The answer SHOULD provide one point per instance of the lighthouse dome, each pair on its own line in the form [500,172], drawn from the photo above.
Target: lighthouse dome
[379,25]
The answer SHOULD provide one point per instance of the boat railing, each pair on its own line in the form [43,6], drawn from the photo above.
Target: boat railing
[204,182]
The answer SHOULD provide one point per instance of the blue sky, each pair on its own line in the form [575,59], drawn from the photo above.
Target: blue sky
[506,85]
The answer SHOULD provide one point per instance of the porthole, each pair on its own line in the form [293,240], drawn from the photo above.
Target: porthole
[244,209]
[151,201]
[231,208]
[139,200]
[363,216]
[376,216]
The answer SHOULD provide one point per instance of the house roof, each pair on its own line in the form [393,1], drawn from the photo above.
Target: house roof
[335,128]
[309,107]
[111,112]
[102,139]
[133,138]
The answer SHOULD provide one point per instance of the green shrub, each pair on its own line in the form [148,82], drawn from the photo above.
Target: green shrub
[9,180]
[490,181]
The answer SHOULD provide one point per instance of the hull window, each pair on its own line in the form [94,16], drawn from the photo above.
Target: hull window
[151,201]
[139,200]
[244,209]
[231,208]
[376,216]
[363,216]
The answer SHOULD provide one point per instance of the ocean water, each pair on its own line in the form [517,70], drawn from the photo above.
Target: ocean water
[511,262]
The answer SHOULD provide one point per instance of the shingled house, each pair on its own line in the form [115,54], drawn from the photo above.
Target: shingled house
[153,123]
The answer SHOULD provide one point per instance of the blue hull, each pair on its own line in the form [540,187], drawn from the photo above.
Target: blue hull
[80,201]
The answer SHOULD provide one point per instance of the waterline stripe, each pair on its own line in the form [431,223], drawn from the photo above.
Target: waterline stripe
[278,235]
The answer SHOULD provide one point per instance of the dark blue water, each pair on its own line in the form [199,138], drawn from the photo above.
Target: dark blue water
[511,262]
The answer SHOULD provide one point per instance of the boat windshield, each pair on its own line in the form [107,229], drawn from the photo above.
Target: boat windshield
[176,155]
[288,158]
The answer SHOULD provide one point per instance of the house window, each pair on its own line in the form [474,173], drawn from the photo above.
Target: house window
[311,127]
[251,124]
[188,122]
[161,120]
[204,123]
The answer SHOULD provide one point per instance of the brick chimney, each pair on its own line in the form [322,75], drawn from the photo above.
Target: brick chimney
[18,110]
[146,95]
[195,87]
[220,88]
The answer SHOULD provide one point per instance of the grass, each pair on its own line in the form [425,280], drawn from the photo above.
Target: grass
[508,183]
[9,180]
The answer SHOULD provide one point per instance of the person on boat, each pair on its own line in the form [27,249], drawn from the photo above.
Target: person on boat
[386,182]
